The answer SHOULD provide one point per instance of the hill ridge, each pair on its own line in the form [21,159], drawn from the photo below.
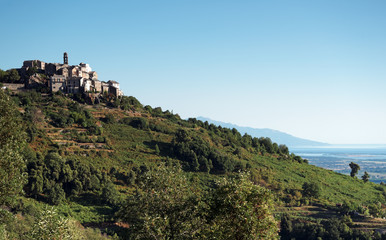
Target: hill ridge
[275,135]
[93,157]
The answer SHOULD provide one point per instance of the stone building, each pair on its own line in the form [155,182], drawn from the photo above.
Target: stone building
[64,72]
[85,67]
[93,75]
[58,83]
[34,63]
[115,91]
[72,78]
[53,68]
[97,85]
[113,83]
[105,87]
[88,85]
[75,71]
[114,88]
[74,85]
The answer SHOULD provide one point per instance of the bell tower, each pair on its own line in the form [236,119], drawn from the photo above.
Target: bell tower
[65,58]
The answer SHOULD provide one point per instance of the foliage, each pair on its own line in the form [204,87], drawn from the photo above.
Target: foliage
[128,103]
[29,98]
[138,139]
[333,229]
[109,118]
[4,235]
[164,207]
[365,177]
[50,225]
[10,76]
[239,209]
[285,227]
[136,122]
[167,206]
[111,195]
[354,169]
[199,155]
[157,151]
[375,209]
[3,75]
[12,163]
[76,114]
[57,178]
[311,190]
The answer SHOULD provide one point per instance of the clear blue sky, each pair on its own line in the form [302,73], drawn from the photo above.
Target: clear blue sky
[314,69]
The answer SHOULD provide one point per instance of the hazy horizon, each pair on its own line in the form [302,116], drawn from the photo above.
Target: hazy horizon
[330,145]
[312,69]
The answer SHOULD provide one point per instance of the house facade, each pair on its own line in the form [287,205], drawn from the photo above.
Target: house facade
[58,83]
[72,78]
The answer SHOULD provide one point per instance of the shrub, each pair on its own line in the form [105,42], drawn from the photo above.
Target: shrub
[311,190]
[136,122]
[110,194]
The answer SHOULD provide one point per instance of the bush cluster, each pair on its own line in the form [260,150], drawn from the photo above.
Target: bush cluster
[54,178]
[335,228]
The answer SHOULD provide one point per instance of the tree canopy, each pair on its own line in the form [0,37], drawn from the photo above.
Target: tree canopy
[366,177]
[354,169]
[168,206]
[311,190]
[163,207]
[12,163]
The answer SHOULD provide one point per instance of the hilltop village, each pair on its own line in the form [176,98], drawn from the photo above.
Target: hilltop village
[69,79]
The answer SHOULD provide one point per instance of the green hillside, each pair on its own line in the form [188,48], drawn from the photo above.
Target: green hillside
[86,160]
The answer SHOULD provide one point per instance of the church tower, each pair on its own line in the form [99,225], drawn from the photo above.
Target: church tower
[65,58]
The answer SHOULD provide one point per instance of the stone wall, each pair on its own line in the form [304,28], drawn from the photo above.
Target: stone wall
[14,86]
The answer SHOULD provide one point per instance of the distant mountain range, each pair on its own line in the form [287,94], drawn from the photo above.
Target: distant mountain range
[274,135]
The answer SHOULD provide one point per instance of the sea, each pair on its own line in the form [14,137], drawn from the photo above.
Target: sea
[370,158]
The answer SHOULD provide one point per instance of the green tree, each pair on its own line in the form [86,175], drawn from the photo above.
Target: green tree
[283,149]
[354,169]
[164,207]
[12,164]
[182,136]
[375,209]
[109,118]
[267,143]
[110,194]
[139,122]
[13,76]
[49,225]
[366,177]
[311,190]
[3,76]
[240,209]
[205,165]
[168,206]
[56,194]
